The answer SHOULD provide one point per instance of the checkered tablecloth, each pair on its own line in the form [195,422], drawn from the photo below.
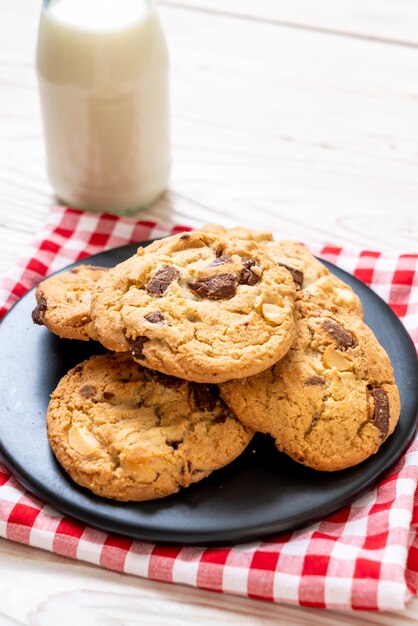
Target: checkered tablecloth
[363,557]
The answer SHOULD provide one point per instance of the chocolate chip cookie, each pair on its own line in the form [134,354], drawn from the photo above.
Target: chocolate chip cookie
[239,232]
[312,279]
[199,306]
[129,433]
[63,302]
[332,401]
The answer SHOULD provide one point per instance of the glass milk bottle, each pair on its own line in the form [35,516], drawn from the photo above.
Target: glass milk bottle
[103,80]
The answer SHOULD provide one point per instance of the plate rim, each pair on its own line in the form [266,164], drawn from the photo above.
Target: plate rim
[179,536]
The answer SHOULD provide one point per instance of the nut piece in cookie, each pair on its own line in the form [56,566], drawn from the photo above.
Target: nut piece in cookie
[64,300]
[332,401]
[130,433]
[205,308]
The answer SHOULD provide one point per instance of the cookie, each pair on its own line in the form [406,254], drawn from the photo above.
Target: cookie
[330,292]
[312,279]
[198,306]
[63,302]
[128,433]
[332,401]
[303,266]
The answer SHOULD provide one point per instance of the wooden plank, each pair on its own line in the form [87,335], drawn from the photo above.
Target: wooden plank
[387,20]
[308,135]
[313,136]
[66,592]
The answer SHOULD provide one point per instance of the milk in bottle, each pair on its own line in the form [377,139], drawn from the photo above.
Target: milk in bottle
[103,79]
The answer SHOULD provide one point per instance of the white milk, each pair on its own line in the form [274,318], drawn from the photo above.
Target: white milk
[103,77]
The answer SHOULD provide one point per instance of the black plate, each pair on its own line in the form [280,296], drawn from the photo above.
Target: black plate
[261,493]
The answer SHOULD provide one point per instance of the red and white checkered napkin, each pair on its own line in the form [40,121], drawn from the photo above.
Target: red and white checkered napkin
[364,557]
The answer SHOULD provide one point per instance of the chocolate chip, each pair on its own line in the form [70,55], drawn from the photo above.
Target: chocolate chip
[38,310]
[136,346]
[205,396]
[163,379]
[87,391]
[155,317]
[248,263]
[108,395]
[381,411]
[162,279]
[297,275]
[220,260]
[219,252]
[314,380]
[77,369]
[247,276]
[37,316]
[220,287]
[185,236]
[343,338]
[174,444]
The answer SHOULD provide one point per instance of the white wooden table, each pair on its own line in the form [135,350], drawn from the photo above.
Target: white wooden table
[292,115]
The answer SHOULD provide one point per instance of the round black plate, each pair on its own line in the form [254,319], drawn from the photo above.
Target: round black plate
[261,493]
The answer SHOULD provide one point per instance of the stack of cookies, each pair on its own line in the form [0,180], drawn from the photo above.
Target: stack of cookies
[212,335]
